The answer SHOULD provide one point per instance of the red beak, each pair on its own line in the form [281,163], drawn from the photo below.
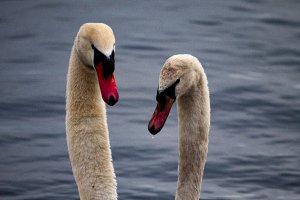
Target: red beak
[108,86]
[160,115]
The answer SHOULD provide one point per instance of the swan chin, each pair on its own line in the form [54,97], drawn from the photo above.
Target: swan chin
[160,114]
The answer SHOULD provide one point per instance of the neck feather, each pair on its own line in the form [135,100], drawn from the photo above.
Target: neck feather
[87,134]
[194,121]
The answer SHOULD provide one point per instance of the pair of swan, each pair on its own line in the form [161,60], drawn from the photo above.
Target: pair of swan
[91,82]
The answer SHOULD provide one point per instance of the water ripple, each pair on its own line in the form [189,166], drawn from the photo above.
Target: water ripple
[141,47]
[40,107]
[251,56]
[206,22]
[280,22]
[21,36]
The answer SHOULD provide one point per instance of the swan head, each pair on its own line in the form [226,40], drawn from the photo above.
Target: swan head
[178,76]
[95,46]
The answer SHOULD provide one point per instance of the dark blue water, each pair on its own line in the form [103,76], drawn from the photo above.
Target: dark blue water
[250,51]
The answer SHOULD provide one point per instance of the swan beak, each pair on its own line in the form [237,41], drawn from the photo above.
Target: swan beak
[108,86]
[160,115]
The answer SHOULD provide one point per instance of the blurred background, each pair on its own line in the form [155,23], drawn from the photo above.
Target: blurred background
[250,51]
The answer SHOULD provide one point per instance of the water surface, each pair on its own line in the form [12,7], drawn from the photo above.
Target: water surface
[250,51]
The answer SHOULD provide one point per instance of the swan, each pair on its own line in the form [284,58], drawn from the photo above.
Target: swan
[183,78]
[90,83]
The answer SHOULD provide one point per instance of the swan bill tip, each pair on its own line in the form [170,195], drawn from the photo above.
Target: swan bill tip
[153,129]
[112,101]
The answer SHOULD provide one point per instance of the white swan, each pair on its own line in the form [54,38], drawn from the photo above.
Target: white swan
[182,77]
[91,65]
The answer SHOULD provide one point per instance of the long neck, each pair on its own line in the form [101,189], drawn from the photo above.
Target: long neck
[194,121]
[87,134]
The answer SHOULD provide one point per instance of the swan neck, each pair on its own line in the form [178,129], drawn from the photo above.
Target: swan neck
[87,133]
[194,121]
[83,93]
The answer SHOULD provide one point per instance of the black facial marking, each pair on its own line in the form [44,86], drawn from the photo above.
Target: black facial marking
[170,92]
[161,98]
[107,62]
